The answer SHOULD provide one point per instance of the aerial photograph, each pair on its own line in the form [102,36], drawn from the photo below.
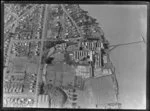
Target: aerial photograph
[76,56]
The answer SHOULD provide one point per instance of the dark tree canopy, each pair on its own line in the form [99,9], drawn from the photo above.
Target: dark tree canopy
[49,60]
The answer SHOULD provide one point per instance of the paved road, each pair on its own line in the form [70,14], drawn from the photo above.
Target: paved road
[14,22]
[72,21]
[41,51]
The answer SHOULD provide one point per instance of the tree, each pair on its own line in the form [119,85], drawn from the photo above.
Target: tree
[68,59]
[41,88]
[49,60]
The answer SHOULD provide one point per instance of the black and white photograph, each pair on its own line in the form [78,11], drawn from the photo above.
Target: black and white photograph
[74,56]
